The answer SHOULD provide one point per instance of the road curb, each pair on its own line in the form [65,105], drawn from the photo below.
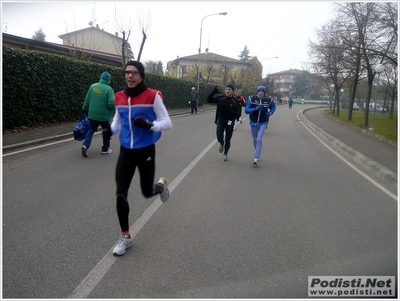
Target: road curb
[378,170]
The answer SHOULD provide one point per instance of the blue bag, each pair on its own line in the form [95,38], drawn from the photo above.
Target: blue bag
[81,129]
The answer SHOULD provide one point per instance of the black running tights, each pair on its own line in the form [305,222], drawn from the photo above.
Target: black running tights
[228,129]
[128,160]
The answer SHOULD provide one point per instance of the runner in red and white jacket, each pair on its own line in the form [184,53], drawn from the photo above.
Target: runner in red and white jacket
[140,117]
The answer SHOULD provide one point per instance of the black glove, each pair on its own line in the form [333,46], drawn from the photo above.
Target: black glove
[85,113]
[107,133]
[215,90]
[140,122]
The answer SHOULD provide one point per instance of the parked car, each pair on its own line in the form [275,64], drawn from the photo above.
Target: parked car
[355,106]
[297,100]
[378,109]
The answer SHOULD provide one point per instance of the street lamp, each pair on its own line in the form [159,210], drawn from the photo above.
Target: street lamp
[201,29]
[268,58]
[333,93]
[341,98]
[378,69]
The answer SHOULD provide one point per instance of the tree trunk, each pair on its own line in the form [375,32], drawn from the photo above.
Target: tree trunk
[142,45]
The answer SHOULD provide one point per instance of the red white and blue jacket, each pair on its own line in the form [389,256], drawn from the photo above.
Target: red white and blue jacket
[149,105]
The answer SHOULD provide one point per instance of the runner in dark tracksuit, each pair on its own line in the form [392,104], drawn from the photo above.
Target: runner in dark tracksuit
[228,109]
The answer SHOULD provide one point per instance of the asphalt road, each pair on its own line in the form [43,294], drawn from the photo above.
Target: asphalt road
[229,230]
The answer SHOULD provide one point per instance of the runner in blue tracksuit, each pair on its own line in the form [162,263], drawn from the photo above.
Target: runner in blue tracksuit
[259,107]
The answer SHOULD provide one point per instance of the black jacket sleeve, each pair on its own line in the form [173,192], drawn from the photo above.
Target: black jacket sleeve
[238,109]
[213,99]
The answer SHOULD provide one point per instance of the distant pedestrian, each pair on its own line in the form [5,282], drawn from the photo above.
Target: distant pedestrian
[140,118]
[290,102]
[194,100]
[259,107]
[228,110]
[99,107]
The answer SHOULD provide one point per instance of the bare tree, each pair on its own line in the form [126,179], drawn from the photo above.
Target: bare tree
[352,37]
[225,71]
[327,56]
[155,67]
[144,26]
[376,37]
[347,49]
[209,72]
[390,86]
[124,26]
[144,37]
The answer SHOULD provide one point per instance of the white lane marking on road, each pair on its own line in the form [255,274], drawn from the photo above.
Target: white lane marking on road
[36,147]
[393,196]
[92,279]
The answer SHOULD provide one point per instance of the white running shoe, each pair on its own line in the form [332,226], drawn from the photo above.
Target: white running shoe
[107,152]
[84,151]
[255,162]
[124,243]
[225,158]
[164,195]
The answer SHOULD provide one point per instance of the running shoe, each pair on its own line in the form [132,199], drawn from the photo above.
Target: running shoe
[84,151]
[124,243]
[107,152]
[164,194]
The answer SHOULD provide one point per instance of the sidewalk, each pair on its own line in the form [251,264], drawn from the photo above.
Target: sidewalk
[377,156]
[16,140]
[363,148]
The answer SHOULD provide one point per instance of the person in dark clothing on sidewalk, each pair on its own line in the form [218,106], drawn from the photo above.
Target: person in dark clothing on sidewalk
[194,99]
[99,108]
[228,110]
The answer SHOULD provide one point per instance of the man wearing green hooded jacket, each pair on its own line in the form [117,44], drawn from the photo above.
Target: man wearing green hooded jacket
[99,107]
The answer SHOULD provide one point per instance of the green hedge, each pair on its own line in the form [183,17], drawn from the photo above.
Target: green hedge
[42,89]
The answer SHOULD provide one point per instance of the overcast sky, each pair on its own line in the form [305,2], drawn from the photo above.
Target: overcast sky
[268,28]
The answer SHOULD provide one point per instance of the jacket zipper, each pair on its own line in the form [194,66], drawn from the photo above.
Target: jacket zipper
[130,121]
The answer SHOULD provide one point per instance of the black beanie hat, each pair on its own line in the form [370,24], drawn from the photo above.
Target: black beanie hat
[138,65]
[229,86]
